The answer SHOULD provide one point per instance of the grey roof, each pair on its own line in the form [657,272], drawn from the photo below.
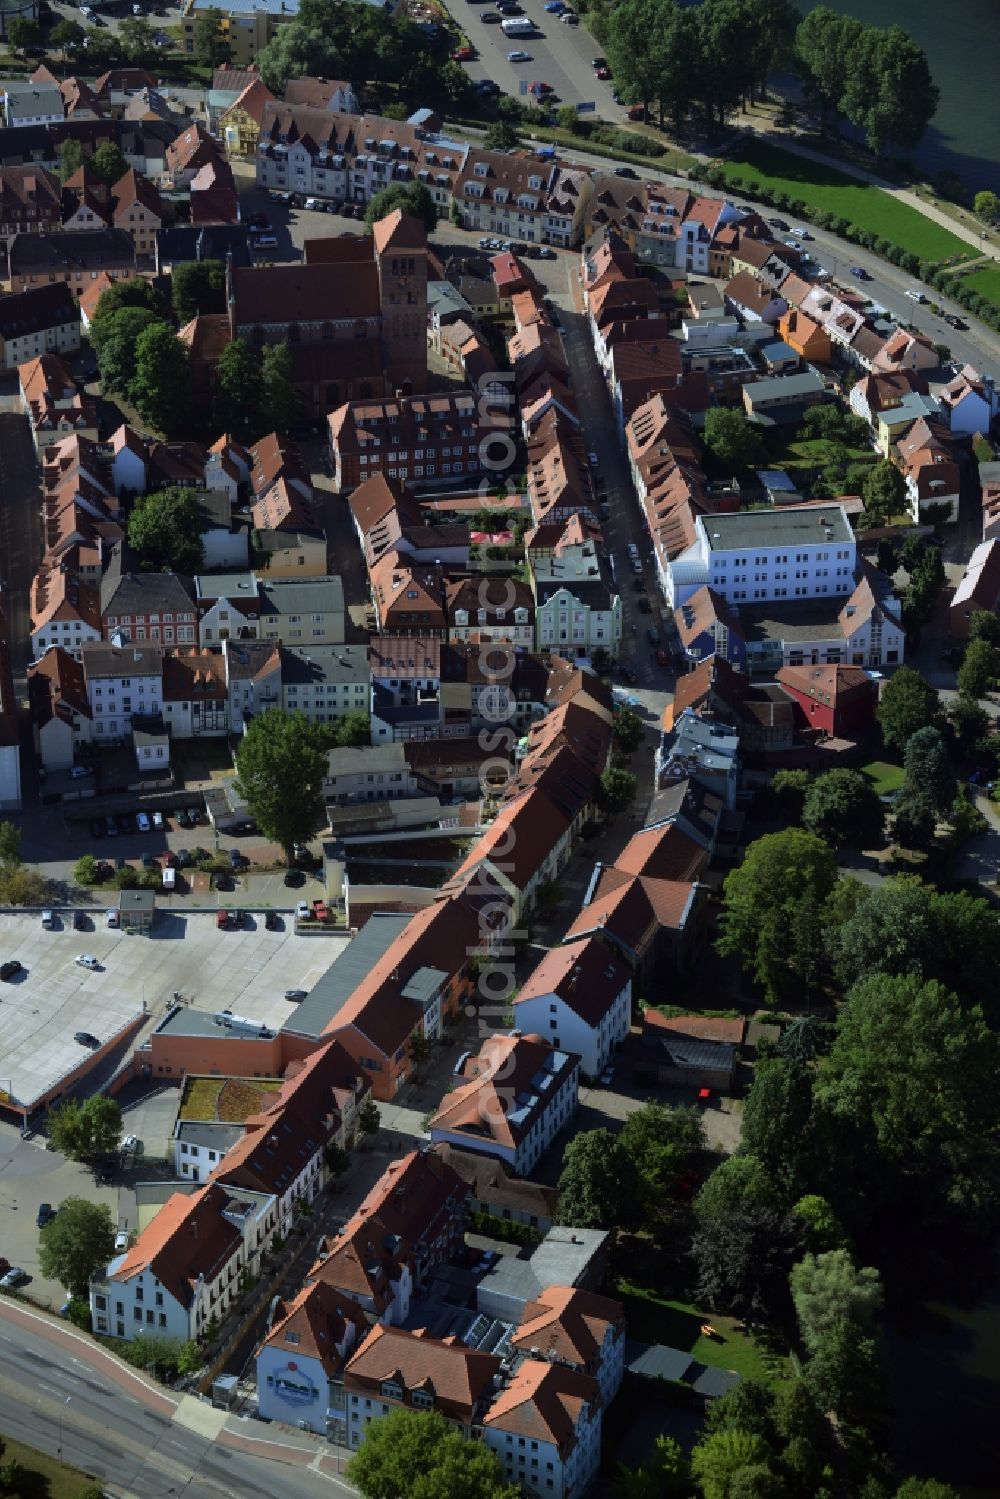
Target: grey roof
[799,619]
[280,541]
[236,587]
[565,1254]
[655,1360]
[185,1021]
[789,526]
[38,308]
[136,900]
[305,665]
[785,387]
[713,1383]
[185,242]
[248,657]
[332,991]
[146,593]
[71,249]
[353,760]
[302,595]
[692,1052]
[215,509]
[214,1136]
[102,659]
[42,98]
[778,349]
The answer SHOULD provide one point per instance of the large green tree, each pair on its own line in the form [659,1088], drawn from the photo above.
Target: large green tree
[664,1145]
[777,1118]
[763,896]
[279,400]
[719,1459]
[616,790]
[160,387]
[76,1243]
[599,1185]
[907,1088]
[845,1375]
[979,667]
[212,49]
[732,440]
[237,404]
[826,45]
[419,1455]
[67,37]
[23,34]
[120,294]
[109,162]
[884,492]
[114,340]
[890,94]
[88,1130]
[165,529]
[830,1288]
[929,771]
[135,37]
[908,703]
[280,767]
[413,198]
[843,807]
[198,286]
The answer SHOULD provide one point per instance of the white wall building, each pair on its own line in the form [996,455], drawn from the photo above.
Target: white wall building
[765,556]
[122,681]
[579,996]
[545,1427]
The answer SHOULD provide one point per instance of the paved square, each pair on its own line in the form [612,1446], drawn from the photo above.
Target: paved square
[246,971]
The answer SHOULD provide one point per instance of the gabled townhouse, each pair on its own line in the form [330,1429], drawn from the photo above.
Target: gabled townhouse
[65,611]
[123,683]
[521,197]
[325,682]
[213,195]
[408,597]
[490,608]
[579,996]
[655,926]
[195,694]
[580,1330]
[30,201]
[228,607]
[300,1360]
[808,338]
[116,87]
[406,992]
[905,351]
[927,458]
[73,257]
[666,850]
[302,611]
[61,719]
[239,123]
[31,103]
[978,591]
[186,154]
[53,404]
[577,608]
[865,629]
[510,1101]
[558,480]
[370,773]
[545,1427]
[253,676]
[640,368]
[970,402]
[185,1269]
[40,320]
[833,701]
[763,719]
[527,845]
[154,607]
[702,751]
[398,1370]
[874,393]
[137,208]
[893,422]
[427,440]
[707,629]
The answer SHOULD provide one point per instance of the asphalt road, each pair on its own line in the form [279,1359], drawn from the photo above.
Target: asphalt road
[560,56]
[64,1401]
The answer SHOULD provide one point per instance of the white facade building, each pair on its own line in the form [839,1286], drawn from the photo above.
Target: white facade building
[765,556]
[545,1427]
[580,997]
[122,681]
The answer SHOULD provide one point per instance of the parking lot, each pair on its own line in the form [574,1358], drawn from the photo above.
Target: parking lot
[560,55]
[53,998]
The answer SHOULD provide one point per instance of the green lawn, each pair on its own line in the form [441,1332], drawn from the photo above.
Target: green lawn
[812,453]
[44,1477]
[884,777]
[827,189]
[677,1324]
[985,282]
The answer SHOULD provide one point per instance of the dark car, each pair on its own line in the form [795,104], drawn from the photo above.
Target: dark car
[859,273]
[272,921]
[294,878]
[239,917]
[111,827]
[235,858]
[46,1213]
[96,828]
[148,862]
[296,994]
[955,322]
[126,822]
[653,636]
[259,221]
[184,859]
[627,172]
[779,224]
[79,923]
[84,1038]
[10,969]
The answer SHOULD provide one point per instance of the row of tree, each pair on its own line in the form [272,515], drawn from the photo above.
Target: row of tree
[708,59]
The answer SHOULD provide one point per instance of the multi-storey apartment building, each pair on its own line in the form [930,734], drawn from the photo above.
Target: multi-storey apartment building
[123,682]
[427,440]
[764,556]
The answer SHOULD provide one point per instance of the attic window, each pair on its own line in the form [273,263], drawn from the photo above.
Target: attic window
[291,1337]
[481,169]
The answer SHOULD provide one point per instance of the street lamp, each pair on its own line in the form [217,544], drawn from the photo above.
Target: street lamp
[61,1410]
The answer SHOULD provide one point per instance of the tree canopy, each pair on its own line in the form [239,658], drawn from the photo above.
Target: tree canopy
[278,397]
[764,897]
[76,1243]
[211,48]
[907,703]
[87,1130]
[280,766]
[237,405]
[929,771]
[830,1288]
[980,665]
[419,1455]
[843,807]
[413,198]
[160,387]
[599,1185]
[165,529]
[732,440]
[198,286]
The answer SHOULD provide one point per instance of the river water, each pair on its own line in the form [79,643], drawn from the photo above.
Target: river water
[962,42]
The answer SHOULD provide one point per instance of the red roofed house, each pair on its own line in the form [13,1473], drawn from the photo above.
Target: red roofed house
[184,1270]
[545,1427]
[300,1361]
[55,408]
[511,1100]
[579,996]
[572,1326]
[60,708]
[690,1050]
[138,209]
[834,701]
[394,1370]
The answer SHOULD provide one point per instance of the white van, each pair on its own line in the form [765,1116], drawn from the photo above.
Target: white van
[170,879]
[518,26]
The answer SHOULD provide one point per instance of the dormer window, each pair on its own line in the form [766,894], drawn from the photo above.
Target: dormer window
[292,1337]
[391,1391]
[481,169]
[535,183]
[421,1401]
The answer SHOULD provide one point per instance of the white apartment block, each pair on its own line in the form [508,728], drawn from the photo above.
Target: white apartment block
[768,556]
[122,682]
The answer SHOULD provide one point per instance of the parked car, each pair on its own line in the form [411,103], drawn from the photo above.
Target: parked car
[130,1142]
[87,960]
[84,1038]
[121,1240]
[78,772]
[593,459]
[781,224]
[272,921]
[487,1259]
[801,233]
[10,969]
[142,822]
[222,920]
[629,172]
[239,917]
[516,56]
[607,1077]
[48,920]
[303,911]
[235,858]
[860,273]
[78,921]
[158,821]
[637,112]
[463,54]
[111,827]
[296,994]
[45,1214]
[15,1276]
[632,549]
[112,919]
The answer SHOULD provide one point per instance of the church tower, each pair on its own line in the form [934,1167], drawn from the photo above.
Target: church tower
[401,259]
